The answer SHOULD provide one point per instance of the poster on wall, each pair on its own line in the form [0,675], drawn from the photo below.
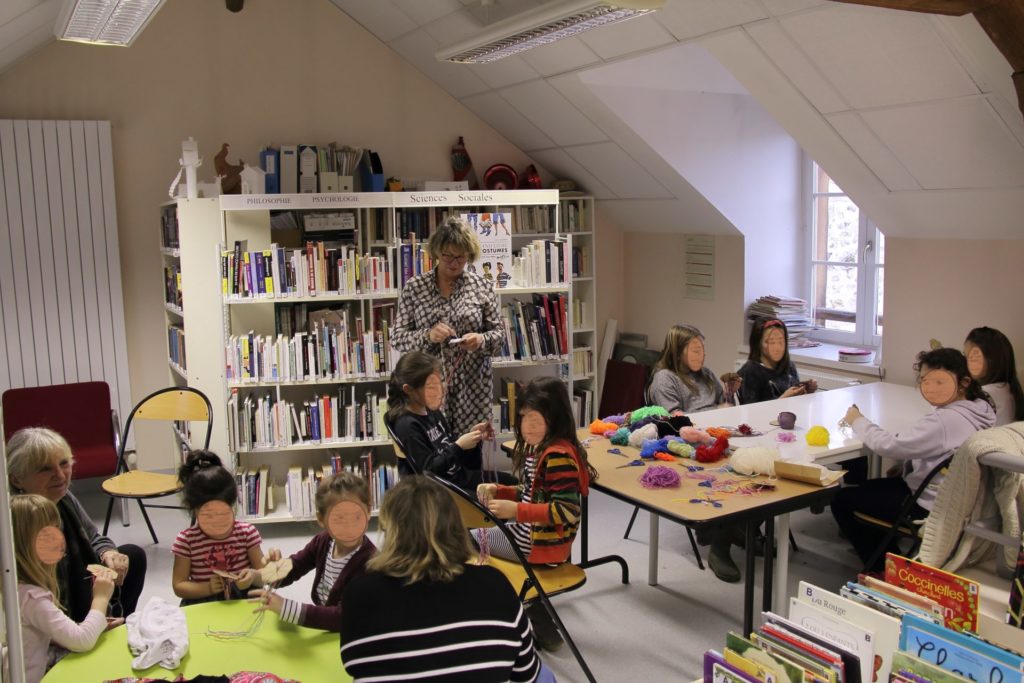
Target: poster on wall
[700,267]
[494,230]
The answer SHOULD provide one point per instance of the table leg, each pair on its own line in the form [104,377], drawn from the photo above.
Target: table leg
[652,552]
[748,579]
[781,564]
[766,587]
[584,528]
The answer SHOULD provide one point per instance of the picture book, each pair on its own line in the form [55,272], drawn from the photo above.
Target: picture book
[815,669]
[894,606]
[886,629]
[846,663]
[959,652]
[717,670]
[834,629]
[957,596]
[911,598]
[755,670]
[771,665]
[916,669]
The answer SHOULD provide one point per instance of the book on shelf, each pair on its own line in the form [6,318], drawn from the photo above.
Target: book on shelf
[583,362]
[176,345]
[541,263]
[169,237]
[535,329]
[414,259]
[583,405]
[958,597]
[172,285]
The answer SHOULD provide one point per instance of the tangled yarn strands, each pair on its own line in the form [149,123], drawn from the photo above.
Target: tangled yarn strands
[484,545]
[660,477]
[252,629]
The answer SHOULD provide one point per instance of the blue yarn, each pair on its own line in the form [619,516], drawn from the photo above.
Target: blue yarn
[621,437]
[652,446]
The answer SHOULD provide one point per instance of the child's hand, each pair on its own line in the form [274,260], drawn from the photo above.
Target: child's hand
[103,585]
[503,509]
[245,578]
[485,493]
[812,385]
[852,415]
[795,390]
[113,623]
[267,601]
[118,562]
[486,430]
[273,555]
[469,440]
[216,585]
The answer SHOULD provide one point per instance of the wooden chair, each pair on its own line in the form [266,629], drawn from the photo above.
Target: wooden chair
[172,404]
[532,582]
[903,526]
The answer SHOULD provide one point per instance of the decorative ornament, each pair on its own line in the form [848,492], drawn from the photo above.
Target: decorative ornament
[231,179]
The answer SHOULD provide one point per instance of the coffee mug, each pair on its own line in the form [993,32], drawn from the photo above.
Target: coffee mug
[787,420]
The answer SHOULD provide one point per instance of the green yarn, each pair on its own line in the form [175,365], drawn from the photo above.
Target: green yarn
[683,450]
[645,412]
[621,437]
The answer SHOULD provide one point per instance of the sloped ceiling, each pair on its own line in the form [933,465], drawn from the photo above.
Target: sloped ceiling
[914,115]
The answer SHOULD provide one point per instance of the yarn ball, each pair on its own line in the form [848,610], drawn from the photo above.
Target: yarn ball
[706,453]
[660,477]
[616,419]
[645,433]
[610,433]
[654,446]
[645,412]
[694,435]
[817,436]
[599,427]
[719,431]
[621,437]
[680,448]
[667,457]
[785,437]
[754,460]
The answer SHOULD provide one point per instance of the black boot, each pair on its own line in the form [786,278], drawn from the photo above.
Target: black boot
[545,633]
[720,559]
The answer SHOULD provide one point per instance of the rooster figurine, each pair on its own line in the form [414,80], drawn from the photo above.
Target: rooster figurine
[231,182]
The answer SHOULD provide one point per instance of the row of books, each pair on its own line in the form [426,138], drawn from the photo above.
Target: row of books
[581,266]
[918,624]
[583,406]
[172,285]
[582,362]
[176,345]
[535,330]
[267,421]
[573,217]
[325,353]
[316,269]
[169,227]
[790,310]
[541,263]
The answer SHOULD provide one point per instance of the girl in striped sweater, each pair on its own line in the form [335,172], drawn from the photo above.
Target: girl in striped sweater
[544,511]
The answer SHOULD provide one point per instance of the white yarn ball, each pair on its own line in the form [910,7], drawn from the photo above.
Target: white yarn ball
[637,438]
[755,460]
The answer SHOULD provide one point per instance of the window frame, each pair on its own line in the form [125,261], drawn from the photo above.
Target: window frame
[868,268]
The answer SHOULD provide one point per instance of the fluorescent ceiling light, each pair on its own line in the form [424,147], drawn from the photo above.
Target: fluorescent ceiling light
[104,22]
[542,25]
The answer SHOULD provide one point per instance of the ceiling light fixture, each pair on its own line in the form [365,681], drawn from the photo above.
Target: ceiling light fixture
[543,25]
[104,22]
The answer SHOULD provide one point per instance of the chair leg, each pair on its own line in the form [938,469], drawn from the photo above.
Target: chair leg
[148,523]
[565,635]
[106,521]
[629,527]
[696,550]
[126,517]
[792,543]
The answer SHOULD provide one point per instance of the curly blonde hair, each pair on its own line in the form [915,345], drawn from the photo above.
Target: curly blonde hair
[32,449]
[30,513]
[457,234]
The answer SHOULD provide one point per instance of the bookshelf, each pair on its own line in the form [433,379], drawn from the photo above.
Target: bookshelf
[339,257]
[576,216]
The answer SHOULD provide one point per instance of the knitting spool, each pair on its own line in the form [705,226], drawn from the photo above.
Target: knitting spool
[787,420]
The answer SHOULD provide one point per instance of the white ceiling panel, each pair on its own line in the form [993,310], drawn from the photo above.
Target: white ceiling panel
[667,215]
[381,18]
[452,28]
[642,33]
[561,165]
[951,144]
[495,110]
[879,158]
[12,9]
[793,62]
[419,48]
[692,18]
[423,12]
[560,57]
[878,57]
[780,7]
[1010,114]
[552,113]
[504,72]
[615,168]
[40,14]
[27,42]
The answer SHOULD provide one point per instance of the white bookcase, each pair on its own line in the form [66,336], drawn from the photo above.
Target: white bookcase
[376,221]
[577,220]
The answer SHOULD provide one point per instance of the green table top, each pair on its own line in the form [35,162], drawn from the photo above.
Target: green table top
[289,651]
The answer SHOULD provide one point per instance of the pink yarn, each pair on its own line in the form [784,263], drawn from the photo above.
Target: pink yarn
[786,437]
[660,477]
[610,433]
[694,435]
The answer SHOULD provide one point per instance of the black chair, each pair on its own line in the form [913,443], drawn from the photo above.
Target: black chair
[532,582]
[903,526]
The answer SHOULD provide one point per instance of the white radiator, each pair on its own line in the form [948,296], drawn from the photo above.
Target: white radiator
[60,269]
[825,380]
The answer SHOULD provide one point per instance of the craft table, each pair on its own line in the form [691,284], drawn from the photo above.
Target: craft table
[279,648]
[892,406]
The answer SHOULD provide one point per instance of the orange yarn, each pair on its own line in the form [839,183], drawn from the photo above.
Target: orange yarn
[600,427]
[667,457]
[719,432]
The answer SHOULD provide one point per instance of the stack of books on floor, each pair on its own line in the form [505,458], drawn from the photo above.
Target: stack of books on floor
[918,625]
[789,310]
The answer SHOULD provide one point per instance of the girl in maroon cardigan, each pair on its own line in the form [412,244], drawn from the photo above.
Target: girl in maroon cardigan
[338,554]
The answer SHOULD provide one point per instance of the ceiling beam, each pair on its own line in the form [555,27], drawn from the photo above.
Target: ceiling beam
[953,8]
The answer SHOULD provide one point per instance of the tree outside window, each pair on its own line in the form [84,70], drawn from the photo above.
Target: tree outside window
[846,266]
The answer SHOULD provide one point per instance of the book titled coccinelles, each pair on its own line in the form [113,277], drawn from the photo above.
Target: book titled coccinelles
[957,596]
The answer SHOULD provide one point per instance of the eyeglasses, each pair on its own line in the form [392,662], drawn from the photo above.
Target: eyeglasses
[452,258]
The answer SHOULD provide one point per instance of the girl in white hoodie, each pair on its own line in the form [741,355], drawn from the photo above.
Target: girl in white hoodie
[961,409]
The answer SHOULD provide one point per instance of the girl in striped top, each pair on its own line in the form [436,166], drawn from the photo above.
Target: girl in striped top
[217,542]
[421,613]
[337,555]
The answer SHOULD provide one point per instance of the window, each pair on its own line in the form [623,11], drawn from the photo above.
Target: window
[846,272]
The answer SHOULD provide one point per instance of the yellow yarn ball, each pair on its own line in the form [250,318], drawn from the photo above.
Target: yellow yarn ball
[817,436]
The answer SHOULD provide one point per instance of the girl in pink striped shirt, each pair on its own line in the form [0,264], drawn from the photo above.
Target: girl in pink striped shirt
[217,557]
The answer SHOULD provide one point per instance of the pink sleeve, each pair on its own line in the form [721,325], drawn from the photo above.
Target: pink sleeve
[181,546]
[63,630]
[252,537]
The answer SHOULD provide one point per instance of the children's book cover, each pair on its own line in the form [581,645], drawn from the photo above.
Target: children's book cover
[770,666]
[957,596]
[717,670]
[910,666]
[827,625]
[962,653]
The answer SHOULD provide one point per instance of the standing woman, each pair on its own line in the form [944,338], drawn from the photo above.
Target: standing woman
[768,373]
[39,461]
[990,361]
[449,303]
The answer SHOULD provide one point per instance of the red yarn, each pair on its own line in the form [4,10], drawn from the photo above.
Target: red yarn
[712,453]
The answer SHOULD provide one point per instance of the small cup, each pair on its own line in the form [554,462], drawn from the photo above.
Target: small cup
[787,420]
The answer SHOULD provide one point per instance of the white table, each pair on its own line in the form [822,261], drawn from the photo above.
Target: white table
[892,406]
